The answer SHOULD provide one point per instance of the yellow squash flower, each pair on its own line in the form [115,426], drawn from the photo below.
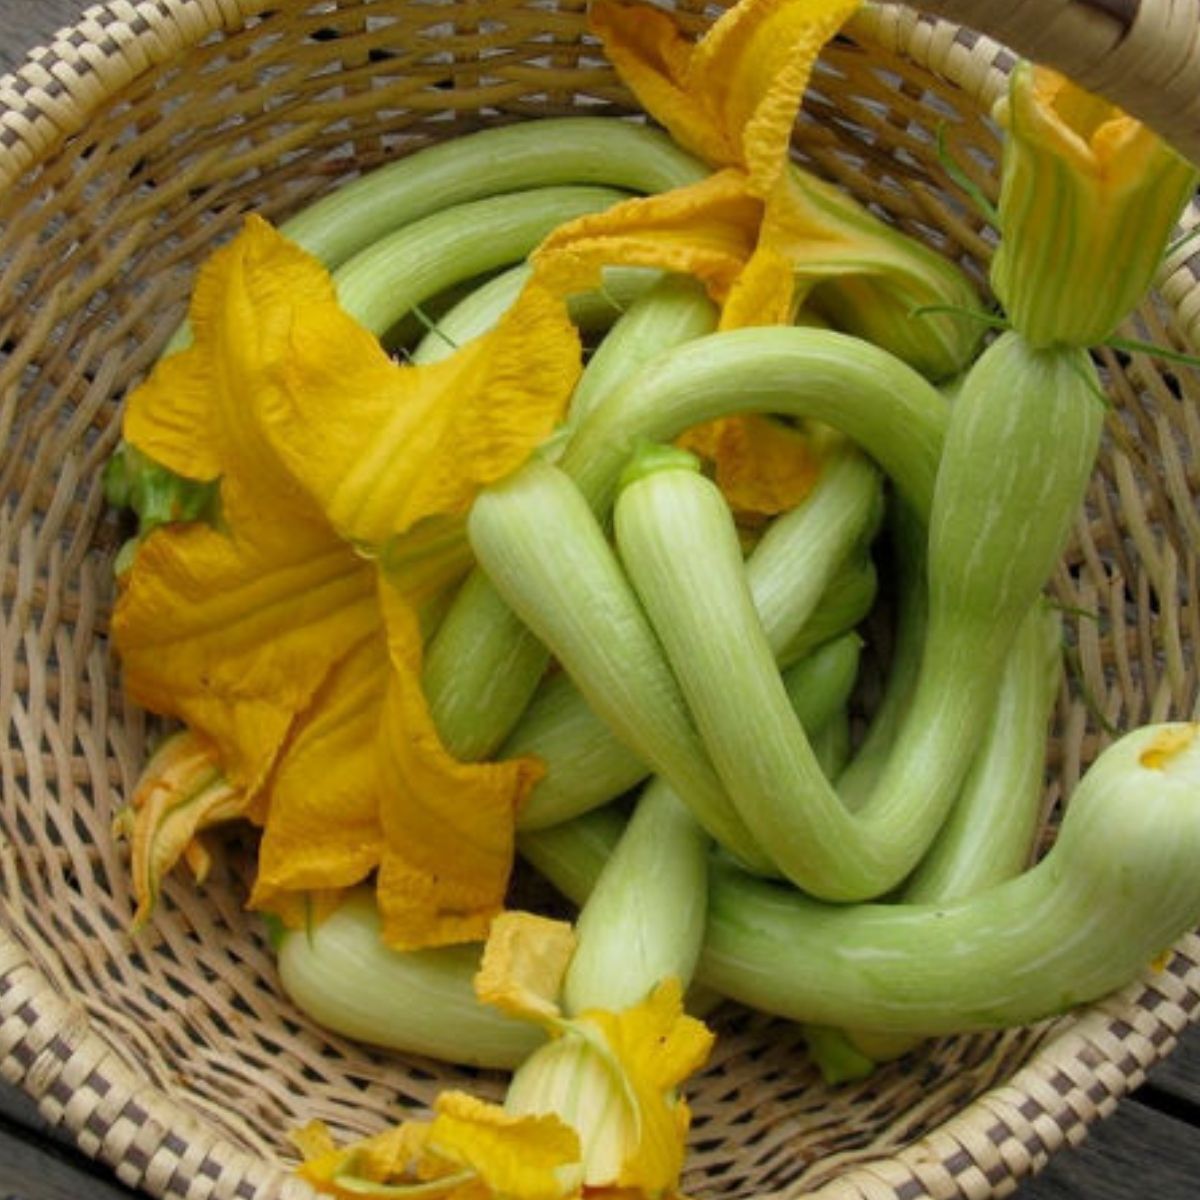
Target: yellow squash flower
[708,230]
[611,1077]
[1088,199]
[181,791]
[732,97]
[595,1113]
[471,1150]
[763,236]
[287,635]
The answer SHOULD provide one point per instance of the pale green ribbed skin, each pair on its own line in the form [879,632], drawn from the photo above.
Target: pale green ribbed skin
[383,282]
[574,1077]
[847,600]
[676,311]
[1121,884]
[482,667]
[1022,440]
[572,855]
[644,920]
[567,150]
[417,1002]
[798,557]
[797,584]
[989,835]
[832,743]
[680,548]
[887,408]
[895,414]
[1078,250]
[908,536]
[1019,451]
[464,171]
[819,686]
[480,311]
[587,765]
[545,554]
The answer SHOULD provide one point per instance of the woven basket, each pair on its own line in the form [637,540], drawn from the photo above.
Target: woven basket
[131,147]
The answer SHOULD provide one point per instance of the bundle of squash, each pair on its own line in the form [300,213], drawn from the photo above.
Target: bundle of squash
[527,495]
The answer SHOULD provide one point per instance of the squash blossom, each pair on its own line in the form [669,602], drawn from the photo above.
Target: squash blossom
[763,236]
[611,1077]
[287,634]
[595,1112]
[471,1150]
[733,98]
[1089,197]
[181,791]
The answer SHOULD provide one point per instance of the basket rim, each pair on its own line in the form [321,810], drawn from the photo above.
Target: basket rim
[80,1079]
[51,95]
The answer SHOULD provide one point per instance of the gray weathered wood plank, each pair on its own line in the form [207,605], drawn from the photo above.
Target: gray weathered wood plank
[1136,1152]
[38,1170]
[1177,1081]
[27,23]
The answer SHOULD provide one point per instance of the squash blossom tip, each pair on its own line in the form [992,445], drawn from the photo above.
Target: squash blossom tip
[180,792]
[1089,197]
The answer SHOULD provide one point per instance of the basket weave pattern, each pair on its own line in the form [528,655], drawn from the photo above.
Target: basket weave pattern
[127,151]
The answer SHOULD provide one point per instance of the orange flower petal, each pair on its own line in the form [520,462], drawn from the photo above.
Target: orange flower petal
[233,630]
[270,636]
[653,55]
[235,634]
[754,66]
[524,961]
[417,442]
[732,97]
[322,828]
[707,230]
[196,414]
[474,1150]
[614,1078]
[447,826]
[765,293]
[657,1047]
[762,466]
[181,791]
[380,1159]
[531,1157]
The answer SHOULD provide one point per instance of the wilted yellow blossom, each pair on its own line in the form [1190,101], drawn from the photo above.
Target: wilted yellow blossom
[1089,197]
[180,792]
[471,1150]
[611,1077]
[287,635]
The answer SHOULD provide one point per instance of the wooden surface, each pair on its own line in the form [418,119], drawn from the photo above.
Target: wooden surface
[1150,1147]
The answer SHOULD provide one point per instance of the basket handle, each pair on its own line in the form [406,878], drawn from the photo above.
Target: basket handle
[1143,55]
